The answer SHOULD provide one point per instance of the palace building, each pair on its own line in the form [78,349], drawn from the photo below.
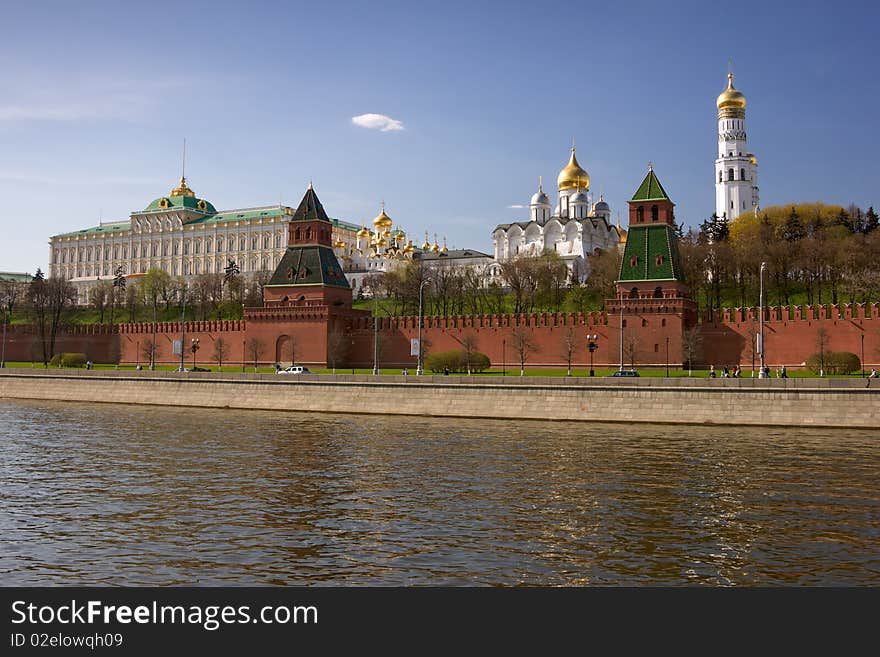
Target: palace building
[181,234]
[575,228]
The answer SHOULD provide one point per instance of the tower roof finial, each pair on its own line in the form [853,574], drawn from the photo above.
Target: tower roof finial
[650,165]
[540,183]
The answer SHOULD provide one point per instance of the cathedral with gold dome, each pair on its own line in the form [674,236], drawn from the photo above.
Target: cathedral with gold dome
[736,168]
[574,228]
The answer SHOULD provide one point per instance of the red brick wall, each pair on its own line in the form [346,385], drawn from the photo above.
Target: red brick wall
[727,335]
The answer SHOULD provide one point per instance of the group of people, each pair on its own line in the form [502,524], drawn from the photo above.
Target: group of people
[736,372]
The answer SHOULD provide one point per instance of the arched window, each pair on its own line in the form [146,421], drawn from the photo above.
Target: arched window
[655,213]
[720,177]
[174,248]
[242,243]
[742,174]
[208,245]
[640,214]
[254,243]
[266,241]
[308,233]
[730,174]
[634,293]
[219,245]
[198,246]
[186,247]
[296,234]
[658,292]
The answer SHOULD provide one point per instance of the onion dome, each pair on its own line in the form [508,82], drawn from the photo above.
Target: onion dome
[444,249]
[410,248]
[435,248]
[731,97]
[602,206]
[573,176]
[753,160]
[182,189]
[621,231]
[580,197]
[339,244]
[401,236]
[426,245]
[381,242]
[382,220]
[363,232]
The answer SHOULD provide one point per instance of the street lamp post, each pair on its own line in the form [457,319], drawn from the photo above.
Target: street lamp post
[6,321]
[194,348]
[592,345]
[419,370]
[183,331]
[375,336]
[667,356]
[761,319]
[621,331]
[863,354]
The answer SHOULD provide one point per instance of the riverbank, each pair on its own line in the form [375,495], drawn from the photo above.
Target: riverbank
[773,402]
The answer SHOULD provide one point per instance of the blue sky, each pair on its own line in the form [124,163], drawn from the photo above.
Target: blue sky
[97,98]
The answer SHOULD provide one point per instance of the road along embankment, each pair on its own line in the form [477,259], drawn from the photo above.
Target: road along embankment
[774,402]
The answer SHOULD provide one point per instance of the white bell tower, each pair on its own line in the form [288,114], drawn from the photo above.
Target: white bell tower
[736,169]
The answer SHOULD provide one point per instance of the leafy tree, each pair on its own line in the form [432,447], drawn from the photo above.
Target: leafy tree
[49,302]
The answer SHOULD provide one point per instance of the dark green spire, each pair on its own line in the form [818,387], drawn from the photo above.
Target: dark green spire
[650,189]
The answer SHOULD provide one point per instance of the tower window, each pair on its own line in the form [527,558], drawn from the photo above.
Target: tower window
[742,174]
[634,293]
[731,205]
[659,261]
[720,177]
[655,213]
[633,261]
[730,173]
[640,214]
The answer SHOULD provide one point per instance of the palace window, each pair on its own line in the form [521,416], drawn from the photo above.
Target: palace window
[266,241]
[219,245]
[186,247]
[208,245]
[254,243]
[277,240]
[198,246]
[242,243]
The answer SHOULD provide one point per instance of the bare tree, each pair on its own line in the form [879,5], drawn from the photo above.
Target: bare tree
[221,351]
[568,344]
[255,349]
[337,349]
[49,302]
[691,346]
[468,344]
[151,351]
[630,349]
[524,345]
[822,340]
[100,296]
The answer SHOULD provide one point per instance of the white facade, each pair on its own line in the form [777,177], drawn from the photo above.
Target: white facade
[736,168]
[183,240]
[575,229]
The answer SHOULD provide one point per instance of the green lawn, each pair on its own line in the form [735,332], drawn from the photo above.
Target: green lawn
[511,370]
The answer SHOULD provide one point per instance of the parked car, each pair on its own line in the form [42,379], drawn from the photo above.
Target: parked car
[199,369]
[295,369]
[625,373]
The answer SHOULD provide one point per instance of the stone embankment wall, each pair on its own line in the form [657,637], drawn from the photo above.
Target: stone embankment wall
[839,403]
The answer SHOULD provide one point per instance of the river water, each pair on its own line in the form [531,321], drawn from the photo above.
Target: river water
[114,494]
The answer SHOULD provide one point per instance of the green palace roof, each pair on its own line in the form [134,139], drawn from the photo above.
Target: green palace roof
[650,189]
[15,277]
[189,202]
[219,217]
[309,265]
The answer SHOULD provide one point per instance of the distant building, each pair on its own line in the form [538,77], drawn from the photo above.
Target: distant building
[736,168]
[575,229]
[182,235]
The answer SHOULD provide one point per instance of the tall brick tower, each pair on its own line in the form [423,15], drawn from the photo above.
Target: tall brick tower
[653,307]
[309,271]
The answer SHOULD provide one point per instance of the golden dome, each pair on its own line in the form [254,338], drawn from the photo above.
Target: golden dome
[382,220]
[730,97]
[381,242]
[435,247]
[444,249]
[363,232]
[339,244]
[573,176]
[426,245]
[182,189]
[401,236]
[753,160]
[622,232]
[409,248]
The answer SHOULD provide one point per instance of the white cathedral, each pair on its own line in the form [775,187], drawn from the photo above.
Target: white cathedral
[736,169]
[575,229]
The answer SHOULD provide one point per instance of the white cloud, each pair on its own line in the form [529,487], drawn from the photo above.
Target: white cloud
[516,207]
[377,122]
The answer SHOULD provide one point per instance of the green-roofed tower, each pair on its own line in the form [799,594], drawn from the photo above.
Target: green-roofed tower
[309,271]
[653,307]
[651,265]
